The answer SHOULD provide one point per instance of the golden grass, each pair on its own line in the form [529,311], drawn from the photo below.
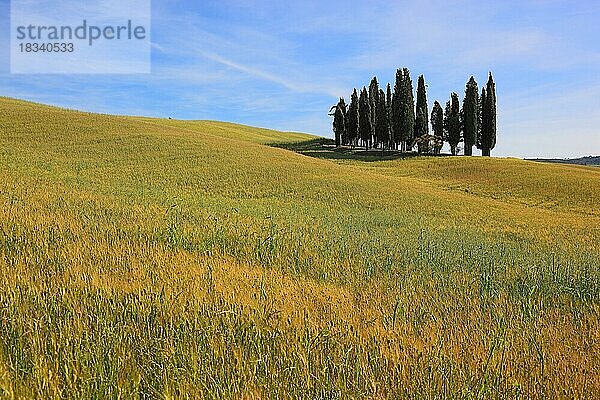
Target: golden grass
[549,186]
[158,258]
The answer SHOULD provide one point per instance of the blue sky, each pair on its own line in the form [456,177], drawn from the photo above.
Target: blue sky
[278,65]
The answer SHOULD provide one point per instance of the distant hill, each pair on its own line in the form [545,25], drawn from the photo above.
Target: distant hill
[589,160]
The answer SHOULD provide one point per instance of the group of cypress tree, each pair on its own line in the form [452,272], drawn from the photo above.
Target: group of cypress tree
[390,120]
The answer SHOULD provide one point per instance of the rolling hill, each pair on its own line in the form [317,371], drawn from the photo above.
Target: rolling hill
[589,160]
[162,258]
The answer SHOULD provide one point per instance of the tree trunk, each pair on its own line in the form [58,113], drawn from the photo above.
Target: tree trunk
[468,150]
[485,152]
[453,150]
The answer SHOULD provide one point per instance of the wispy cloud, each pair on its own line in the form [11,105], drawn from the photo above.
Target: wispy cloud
[294,86]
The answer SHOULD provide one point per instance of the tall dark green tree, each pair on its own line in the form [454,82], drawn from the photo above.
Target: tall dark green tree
[365,126]
[437,124]
[422,122]
[470,115]
[373,100]
[437,120]
[407,123]
[482,100]
[381,123]
[447,114]
[421,140]
[339,126]
[352,120]
[388,109]
[339,121]
[452,123]
[486,140]
[397,109]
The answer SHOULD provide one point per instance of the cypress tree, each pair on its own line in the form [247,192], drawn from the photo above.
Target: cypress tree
[493,107]
[470,116]
[420,139]
[388,110]
[482,116]
[407,123]
[332,112]
[422,123]
[373,100]
[437,120]
[447,115]
[487,136]
[381,124]
[452,122]
[364,117]
[352,120]
[397,109]
[437,123]
[339,121]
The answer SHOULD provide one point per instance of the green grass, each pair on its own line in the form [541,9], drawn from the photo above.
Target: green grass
[233,131]
[158,258]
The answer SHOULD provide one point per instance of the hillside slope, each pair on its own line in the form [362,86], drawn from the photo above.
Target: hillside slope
[587,160]
[192,259]
[556,187]
[234,131]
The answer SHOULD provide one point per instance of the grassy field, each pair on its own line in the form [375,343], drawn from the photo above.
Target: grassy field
[168,259]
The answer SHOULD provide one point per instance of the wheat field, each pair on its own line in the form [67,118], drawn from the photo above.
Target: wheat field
[149,258]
